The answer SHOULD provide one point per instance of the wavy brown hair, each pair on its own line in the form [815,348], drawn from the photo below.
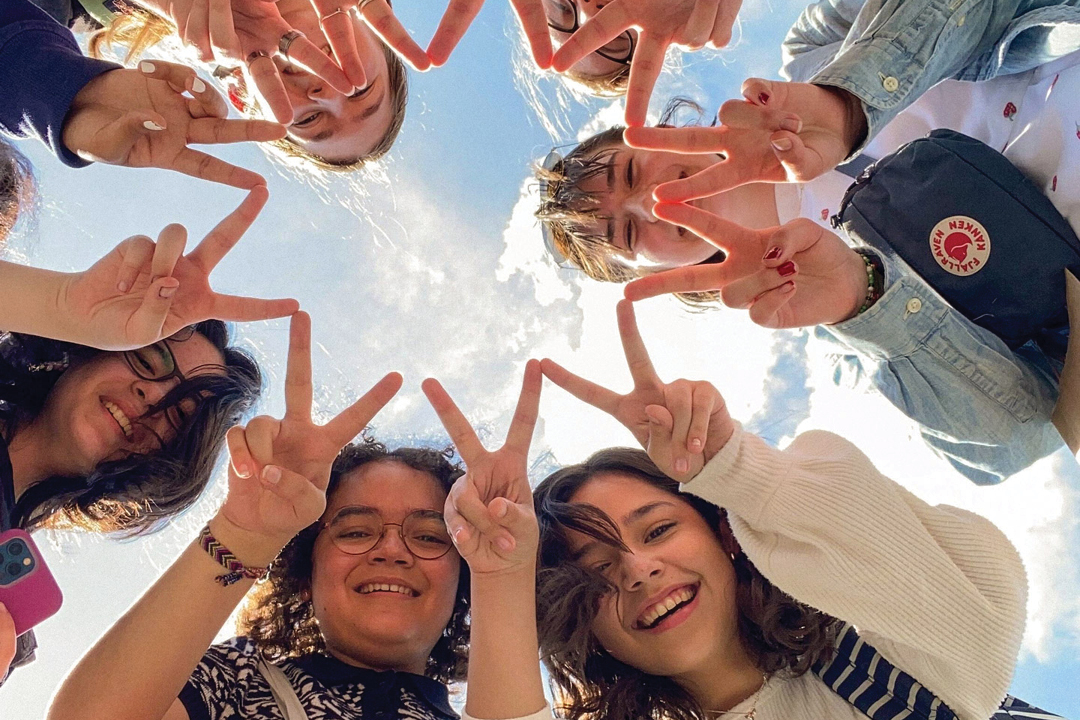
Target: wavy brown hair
[569,214]
[18,189]
[278,614]
[138,30]
[778,633]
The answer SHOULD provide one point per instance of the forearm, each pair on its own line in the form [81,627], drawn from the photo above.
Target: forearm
[504,659]
[137,669]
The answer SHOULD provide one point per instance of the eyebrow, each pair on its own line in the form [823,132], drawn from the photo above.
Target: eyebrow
[630,518]
[363,115]
[351,510]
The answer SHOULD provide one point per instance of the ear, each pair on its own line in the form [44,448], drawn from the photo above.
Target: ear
[727,538]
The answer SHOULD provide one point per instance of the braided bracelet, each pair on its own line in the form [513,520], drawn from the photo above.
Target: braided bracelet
[224,557]
[873,292]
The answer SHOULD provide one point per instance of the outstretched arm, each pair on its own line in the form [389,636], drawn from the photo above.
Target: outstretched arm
[278,474]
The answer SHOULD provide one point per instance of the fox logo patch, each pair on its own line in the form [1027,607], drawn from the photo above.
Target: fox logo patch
[960,245]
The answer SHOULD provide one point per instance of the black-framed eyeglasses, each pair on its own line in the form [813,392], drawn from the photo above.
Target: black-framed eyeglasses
[358,530]
[564,16]
[157,363]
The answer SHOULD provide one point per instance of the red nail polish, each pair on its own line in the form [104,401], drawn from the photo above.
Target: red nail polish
[763,98]
[772,254]
[786,269]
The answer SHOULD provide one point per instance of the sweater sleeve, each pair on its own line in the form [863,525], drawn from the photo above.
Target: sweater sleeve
[940,591]
[41,72]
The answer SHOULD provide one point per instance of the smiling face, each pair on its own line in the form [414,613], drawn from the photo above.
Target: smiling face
[98,406]
[336,127]
[674,611]
[384,609]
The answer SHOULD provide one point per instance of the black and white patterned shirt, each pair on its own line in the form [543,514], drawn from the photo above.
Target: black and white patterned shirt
[228,684]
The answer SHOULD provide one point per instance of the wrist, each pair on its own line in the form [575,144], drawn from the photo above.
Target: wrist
[500,581]
[855,127]
[251,548]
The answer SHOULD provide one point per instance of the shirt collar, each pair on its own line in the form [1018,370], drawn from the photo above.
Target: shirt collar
[332,672]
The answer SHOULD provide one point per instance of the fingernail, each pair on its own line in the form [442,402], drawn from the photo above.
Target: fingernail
[763,98]
[782,144]
[198,86]
[695,445]
[786,269]
[791,124]
[166,292]
[787,287]
[243,471]
[147,67]
[456,530]
[272,475]
[3,609]
[772,254]
[122,286]
[505,543]
[501,510]
[681,465]
[151,125]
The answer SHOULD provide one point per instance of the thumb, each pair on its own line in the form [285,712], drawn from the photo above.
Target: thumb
[658,445]
[147,321]
[8,641]
[800,163]
[114,139]
[518,519]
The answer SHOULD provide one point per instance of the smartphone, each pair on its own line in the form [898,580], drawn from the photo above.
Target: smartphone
[27,588]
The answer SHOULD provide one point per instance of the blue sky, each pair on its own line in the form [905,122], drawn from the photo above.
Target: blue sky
[437,269]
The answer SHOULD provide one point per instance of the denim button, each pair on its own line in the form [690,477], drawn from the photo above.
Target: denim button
[914,305]
[890,84]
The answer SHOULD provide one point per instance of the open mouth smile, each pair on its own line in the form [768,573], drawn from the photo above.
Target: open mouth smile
[654,615]
[120,417]
[379,587]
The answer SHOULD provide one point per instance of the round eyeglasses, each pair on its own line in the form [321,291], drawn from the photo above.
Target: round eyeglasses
[564,16]
[358,530]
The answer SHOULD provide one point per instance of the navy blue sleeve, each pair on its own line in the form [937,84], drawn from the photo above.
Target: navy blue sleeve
[41,72]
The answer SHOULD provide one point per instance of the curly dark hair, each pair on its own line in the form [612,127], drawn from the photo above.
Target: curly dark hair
[569,214]
[778,632]
[18,189]
[278,614]
[140,493]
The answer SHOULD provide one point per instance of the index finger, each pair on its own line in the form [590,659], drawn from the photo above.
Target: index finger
[351,421]
[208,253]
[216,131]
[461,432]
[637,355]
[723,234]
[168,249]
[685,140]
[534,21]
[200,165]
[386,25]
[303,52]
[601,28]
[455,21]
[298,368]
[695,278]
[264,74]
[584,390]
[713,180]
[645,67]
[528,408]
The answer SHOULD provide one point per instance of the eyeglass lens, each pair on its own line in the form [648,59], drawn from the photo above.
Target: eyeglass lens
[563,15]
[424,534]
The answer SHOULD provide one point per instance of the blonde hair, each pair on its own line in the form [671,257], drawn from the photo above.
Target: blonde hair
[139,30]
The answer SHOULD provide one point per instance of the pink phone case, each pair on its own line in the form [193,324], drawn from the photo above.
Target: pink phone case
[30,596]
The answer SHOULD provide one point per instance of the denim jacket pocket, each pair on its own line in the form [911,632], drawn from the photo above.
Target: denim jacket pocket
[986,362]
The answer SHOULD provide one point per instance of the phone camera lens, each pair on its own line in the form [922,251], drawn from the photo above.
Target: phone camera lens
[13,568]
[16,548]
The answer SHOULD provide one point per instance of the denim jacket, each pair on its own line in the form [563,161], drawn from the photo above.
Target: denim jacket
[983,407]
[889,52]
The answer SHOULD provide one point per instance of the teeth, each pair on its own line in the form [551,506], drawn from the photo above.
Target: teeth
[368,588]
[120,418]
[665,606]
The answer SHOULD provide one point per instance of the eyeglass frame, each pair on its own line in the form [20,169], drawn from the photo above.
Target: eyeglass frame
[382,532]
[186,334]
[600,51]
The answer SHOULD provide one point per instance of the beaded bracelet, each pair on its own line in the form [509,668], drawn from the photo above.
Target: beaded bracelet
[873,292]
[224,557]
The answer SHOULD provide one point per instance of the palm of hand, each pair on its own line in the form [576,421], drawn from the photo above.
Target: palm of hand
[88,132]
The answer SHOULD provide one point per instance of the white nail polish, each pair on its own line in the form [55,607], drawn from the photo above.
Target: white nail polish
[198,86]
[151,125]
[147,67]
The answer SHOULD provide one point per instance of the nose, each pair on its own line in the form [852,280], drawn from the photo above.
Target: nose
[149,392]
[637,569]
[390,548]
[639,202]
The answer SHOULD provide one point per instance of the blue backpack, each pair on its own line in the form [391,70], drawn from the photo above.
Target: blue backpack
[860,675]
[974,228]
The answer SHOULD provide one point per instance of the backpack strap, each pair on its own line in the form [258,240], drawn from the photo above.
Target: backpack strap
[860,675]
[283,691]
[854,167]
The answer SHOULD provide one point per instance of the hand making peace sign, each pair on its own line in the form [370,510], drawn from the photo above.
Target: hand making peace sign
[279,469]
[782,132]
[140,118]
[681,424]
[489,511]
[144,291]
[796,275]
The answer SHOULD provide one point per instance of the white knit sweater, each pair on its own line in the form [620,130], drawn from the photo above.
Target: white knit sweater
[939,591]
